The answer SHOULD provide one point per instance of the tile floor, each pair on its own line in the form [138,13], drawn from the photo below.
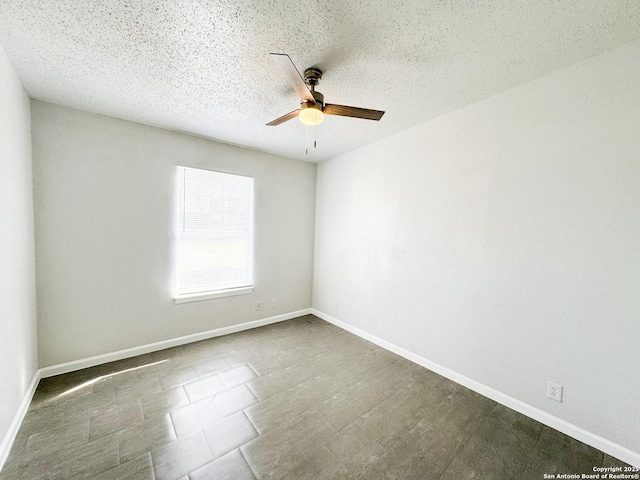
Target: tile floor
[300,399]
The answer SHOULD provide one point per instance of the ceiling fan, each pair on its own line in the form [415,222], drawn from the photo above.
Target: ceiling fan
[312,107]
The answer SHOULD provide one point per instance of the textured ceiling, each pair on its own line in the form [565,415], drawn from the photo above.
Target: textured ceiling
[203,67]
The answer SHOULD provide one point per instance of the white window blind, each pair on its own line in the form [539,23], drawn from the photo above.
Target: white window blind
[215,231]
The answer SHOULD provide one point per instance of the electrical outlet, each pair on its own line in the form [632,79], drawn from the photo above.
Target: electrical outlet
[273,303]
[258,305]
[334,307]
[554,391]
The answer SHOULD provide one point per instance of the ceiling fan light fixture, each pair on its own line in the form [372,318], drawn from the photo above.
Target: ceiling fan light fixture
[311,114]
[313,109]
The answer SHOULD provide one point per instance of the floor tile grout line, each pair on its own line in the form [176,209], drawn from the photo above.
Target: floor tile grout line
[153,467]
[367,411]
[331,395]
[253,392]
[247,462]
[252,424]
[254,370]
[173,427]
[301,412]
[526,467]
[459,449]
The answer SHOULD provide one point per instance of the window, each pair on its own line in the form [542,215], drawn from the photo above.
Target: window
[215,234]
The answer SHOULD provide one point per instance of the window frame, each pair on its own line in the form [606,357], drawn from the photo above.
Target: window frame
[180,298]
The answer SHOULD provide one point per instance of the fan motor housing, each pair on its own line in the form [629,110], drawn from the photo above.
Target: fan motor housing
[319,98]
[312,76]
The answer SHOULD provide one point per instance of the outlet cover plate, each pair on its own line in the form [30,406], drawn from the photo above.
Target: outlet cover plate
[554,391]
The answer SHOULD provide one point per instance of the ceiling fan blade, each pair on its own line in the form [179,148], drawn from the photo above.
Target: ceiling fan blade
[293,76]
[284,118]
[355,112]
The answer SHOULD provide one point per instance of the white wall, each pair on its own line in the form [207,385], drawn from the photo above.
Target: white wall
[502,241]
[18,338]
[104,192]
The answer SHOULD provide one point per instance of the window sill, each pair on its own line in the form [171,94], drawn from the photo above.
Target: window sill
[198,297]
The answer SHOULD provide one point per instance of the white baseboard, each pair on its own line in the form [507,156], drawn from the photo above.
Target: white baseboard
[173,342]
[607,446]
[10,436]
